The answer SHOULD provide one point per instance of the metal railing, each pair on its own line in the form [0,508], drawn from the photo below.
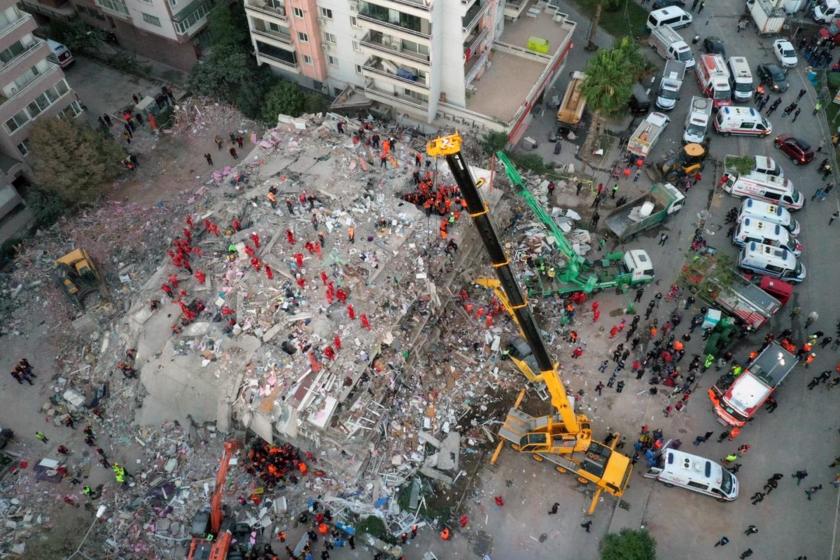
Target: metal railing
[268,9]
[369,18]
[368,41]
[20,56]
[391,97]
[387,74]
[277,36]
[15,24]
[36,80]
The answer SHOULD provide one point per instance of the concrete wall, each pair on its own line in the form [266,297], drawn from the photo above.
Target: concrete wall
[156,8]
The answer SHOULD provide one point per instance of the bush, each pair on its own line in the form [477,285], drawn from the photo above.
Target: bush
[530,162]
[285,98]
[47,207]
[628,545]
[613,5]
[492,142]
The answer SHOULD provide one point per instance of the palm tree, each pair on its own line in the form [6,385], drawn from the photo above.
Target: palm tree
[610,76]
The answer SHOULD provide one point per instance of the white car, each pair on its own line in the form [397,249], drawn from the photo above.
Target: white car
[785,53]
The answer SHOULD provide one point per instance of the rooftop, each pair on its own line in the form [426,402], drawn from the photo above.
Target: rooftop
[542,26]
[499,96]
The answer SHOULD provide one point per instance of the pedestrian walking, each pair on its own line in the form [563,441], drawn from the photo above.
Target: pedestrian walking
[233,153]
[614,191]
[751,530]
[817,107]
[723,436]
[801,94]
[209,159]
[663,238]
[834,216]
[107,119]
[42,437]
[553,510]
[219,142]
[757,498]
[700,7]
[587,525]
[799,475]
[744,449]
[723,541]
[774,106]
[796,114]
[812,490]
[694,5]
[599,387]
[811,319]
[639,293]
[746,554]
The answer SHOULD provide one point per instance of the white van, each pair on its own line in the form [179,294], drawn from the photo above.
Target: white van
[59,54]
[771,261]
[742,120]
[768,188]
[695,473]
[672,16]
[752,229]
[767,212]
[671,46]
[740,78]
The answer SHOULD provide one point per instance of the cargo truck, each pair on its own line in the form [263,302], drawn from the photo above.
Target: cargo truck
[737,399]
[647,133]
[571,109]
[646,212]
[717,283]
[768,17]
[670,85]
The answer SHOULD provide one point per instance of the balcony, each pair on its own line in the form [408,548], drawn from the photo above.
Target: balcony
[473,15]
[285,38]
[410,100]
[11,26]
[404,26]
[268,7]
[22,56]
[51,70]
[376,41]
[405,77]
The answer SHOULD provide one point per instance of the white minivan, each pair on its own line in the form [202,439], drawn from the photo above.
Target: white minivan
[672,16]
[695,473]
[776,262]
[740,78]
[753,229]
[768,212]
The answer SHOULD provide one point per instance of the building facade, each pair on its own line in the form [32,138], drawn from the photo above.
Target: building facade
[479,64]
[163,30]
[31,88]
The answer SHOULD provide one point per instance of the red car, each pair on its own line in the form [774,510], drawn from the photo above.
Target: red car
[797,150]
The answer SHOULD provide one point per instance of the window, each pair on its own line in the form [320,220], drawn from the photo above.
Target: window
[307,59]
[17,121]
[190,17]
[326,12]
[71,111]
[16,49]
[358,69]
[23,148]
[698,485]
[332,60]
[303,37]
[298,12]
[329,38]
[353,22]
[356,46]
[274,27]
[150,19]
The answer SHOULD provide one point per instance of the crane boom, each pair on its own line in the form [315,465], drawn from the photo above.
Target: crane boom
[218,491]
[564,439]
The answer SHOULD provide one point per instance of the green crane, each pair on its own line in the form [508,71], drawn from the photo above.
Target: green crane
[616,270]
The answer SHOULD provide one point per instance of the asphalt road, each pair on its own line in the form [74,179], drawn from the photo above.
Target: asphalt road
[801,434]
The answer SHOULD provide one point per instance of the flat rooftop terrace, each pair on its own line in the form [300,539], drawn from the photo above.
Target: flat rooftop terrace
[503,87]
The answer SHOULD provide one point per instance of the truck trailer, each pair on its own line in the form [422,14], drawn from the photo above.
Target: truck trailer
[646,212]
[647,133]
[571,109]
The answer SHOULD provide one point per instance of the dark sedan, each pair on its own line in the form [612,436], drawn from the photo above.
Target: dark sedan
[799,151]
[657,4]
[773,76]
[714,45]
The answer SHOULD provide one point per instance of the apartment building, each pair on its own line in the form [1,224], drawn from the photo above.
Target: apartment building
[479,64]
[163,30]
[31,87]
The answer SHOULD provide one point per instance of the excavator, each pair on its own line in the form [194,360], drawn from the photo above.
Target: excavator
[78,276]
[685,164]
[564,437]
[616,270]
[211,541]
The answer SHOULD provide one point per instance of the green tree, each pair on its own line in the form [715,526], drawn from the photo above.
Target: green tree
[75,34]
[223,75]
[492,142]
[628,545]
[227,27]
[73,161]
[610,76]
[284,98]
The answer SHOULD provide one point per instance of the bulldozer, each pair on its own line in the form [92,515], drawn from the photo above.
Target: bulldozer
[686,163]
[78,276]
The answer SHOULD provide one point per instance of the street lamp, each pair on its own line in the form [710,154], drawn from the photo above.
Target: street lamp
[100,511]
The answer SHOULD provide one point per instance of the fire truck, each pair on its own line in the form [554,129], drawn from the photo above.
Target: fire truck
[713,78]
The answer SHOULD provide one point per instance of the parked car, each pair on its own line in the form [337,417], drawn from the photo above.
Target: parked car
[773,76]
[714,45]
[657,4]
[799,151]
[784,51]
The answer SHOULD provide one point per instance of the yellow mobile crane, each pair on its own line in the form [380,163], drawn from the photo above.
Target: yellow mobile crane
[563,438]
